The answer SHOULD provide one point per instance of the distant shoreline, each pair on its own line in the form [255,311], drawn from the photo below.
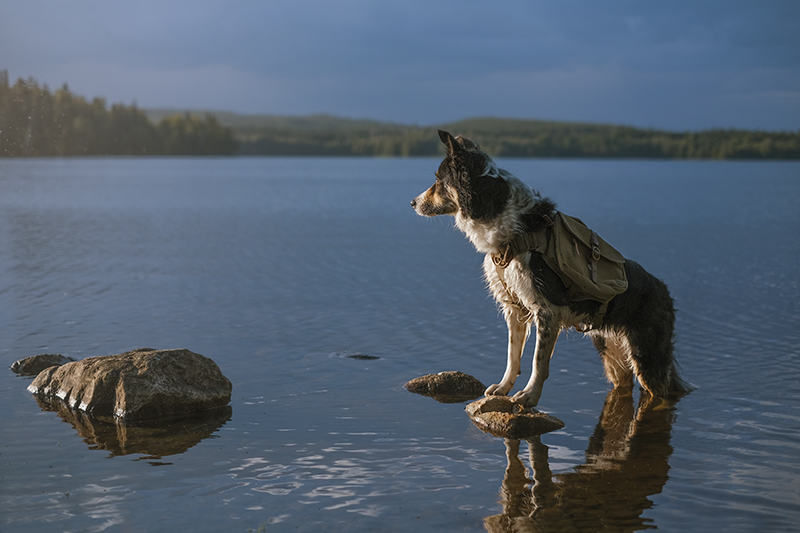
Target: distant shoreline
[38,122]
[326,135]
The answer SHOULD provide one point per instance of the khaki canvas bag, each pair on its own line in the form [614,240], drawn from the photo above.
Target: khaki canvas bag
[590,267]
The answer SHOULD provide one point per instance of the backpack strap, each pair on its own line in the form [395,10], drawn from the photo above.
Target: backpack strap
[534,240]
[595,257]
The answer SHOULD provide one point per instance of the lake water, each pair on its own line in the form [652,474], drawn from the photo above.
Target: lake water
[319,292]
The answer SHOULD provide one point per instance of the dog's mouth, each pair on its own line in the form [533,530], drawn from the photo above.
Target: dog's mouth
[431,204]
[415,205]
[431,210]
[419,206]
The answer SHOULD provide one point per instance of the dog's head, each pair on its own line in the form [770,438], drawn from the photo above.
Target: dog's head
[468,183]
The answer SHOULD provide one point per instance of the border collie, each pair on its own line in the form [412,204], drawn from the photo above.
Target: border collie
[492,207]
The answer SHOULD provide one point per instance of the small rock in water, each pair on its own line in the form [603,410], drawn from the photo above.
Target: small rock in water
[362,357]
[30,366]
[447,387]
[501,417]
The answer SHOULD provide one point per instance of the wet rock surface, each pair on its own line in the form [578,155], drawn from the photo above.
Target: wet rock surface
[501,417]
[137,385]
[30,366]
[447,387]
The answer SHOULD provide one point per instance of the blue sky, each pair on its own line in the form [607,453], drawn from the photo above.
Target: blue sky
[677,65]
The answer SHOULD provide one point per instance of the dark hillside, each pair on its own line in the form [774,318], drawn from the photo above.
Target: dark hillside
[35,121]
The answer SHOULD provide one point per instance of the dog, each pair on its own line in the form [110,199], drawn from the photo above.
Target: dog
[491,206]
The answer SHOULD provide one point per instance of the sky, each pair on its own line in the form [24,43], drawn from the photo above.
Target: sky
[676,65]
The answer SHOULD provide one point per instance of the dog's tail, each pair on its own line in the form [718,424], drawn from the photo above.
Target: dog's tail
[678,385]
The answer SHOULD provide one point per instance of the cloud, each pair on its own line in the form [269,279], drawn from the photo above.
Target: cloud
[683,64]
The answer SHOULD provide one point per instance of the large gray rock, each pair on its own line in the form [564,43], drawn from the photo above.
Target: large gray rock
[137,385]
[447,387]
[30,366]
[501,417]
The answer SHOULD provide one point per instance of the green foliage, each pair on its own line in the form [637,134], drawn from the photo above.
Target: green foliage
[528,138]
[326,135]
[37,122]
[190,135]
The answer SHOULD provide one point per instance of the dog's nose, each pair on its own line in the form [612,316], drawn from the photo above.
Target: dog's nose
[414,203]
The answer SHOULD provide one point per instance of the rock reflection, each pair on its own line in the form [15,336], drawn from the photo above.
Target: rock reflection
[153,438]
[626,461]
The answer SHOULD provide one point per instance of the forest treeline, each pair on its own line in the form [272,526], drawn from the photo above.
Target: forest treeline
[324,135]
[37,122]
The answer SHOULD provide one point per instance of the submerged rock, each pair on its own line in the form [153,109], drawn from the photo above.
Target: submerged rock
[362,357]
[30,366]
[501,417]
[137,385]
[447,387]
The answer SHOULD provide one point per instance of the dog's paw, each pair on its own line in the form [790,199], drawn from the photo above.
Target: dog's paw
[497,390]
[525,399]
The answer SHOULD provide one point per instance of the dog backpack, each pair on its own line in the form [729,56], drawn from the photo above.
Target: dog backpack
[590,268]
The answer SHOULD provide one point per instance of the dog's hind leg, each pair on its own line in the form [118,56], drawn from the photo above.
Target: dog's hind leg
[615,352]
[547,331]
[519,327]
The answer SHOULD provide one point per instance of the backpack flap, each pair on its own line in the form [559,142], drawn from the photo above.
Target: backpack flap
[588,265]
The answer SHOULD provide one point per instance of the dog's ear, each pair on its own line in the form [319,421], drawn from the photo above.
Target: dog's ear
[453,146]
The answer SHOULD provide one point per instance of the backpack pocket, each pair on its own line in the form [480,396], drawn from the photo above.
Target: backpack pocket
[588,265]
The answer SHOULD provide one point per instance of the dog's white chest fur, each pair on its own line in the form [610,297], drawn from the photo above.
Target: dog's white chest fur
[512,285]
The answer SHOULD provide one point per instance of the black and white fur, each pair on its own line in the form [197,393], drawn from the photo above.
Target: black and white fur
[491,206]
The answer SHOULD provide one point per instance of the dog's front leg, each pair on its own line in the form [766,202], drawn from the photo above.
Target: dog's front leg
[547,331]
[518,330]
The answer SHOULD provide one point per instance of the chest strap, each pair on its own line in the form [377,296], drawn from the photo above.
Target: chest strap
[535,240]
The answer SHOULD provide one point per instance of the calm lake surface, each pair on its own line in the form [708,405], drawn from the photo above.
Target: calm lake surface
[319,292]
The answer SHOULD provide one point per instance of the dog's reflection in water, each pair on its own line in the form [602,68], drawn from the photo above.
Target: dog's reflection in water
[626,461]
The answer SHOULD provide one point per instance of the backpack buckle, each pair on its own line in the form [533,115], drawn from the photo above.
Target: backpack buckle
[502,259]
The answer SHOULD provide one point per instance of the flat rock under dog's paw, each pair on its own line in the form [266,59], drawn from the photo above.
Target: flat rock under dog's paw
[501,417]
[447,387]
